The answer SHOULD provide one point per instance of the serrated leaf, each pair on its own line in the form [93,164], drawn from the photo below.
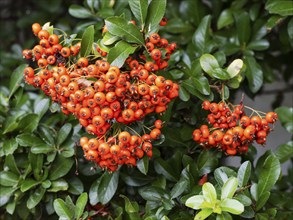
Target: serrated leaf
[269,175]
[232,205]
[120,27]
[119,53]
[156,11]
[229,188]
[87,41]
[243,174]
[15,79]
[62,209]
[80,205]
[139,9]
[79,11]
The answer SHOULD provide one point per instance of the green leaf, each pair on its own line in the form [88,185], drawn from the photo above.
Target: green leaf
[29,123]
[156,11]
[243,174]
[232,205]
[108,186]
[35,198]
[269,175]
[15,79]
[245,200]
[234,68]
[28,184]
[211,66]
[80,205]
[290,28]
[36,162]
[206,162]
[284,152]
[202,84]
[183,94]
[10,207]
[243,27]
[209,193]
[119,53]
[258,45]
[79,11]
[28,139]
[75,185]
[177,26]
[42,107]
[42,148]
[195,202]
[93,192]
[9,146]
[283,8]
[130,207]
[182,184]
[229,188]
[63,133]
[8,178]
[58,185]
[109,39]
[87,41]
[60,167]
[162,167]
[201,37]
[225,19]
[62,209]
[139,9]
[285,115]
[152,193]
[262,200]
[120,27]
[6,193]
[203,214]
[224,216]
[143,165]
[253,73]
[11,163]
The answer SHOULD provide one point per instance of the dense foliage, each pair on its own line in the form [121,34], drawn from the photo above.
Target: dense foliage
[223,47]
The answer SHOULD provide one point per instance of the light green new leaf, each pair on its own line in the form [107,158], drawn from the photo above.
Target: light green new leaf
[203,214]
[87,41]
[194,202]
[209,192]
[62,209]
[139,9]
[229,188]
[80,205]
[234,68]
[232,205]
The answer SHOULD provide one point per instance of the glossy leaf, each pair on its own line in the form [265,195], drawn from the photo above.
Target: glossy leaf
[75,186]
[203,214]
[60,167]
[62,209]
[206,162]
[229,188]
[80,205]
[28,139]
[234,68]
[28,184]
[109,39]
[162,167]
[9,146]
[15,79]
[87,41]
[119,53]
[243,27]
[8,178]
[156,11]
[41,107]
[283,8]
[139,9]
[211,66]
[225,19]
[254,74]
[269,175]
[29,123]
[107,187]
[209,193]
[35,198]
[79,11]
[284,152]
[143,165]
[285,115]
[94,193]
[63,133]
[183,94]
[127,31]
[195,202]
[58,185]
[232,205]
[243,174]
[262,200]
[130,207]
[201,37]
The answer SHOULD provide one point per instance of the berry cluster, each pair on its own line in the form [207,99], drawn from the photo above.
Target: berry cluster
[231,130]
[98,94]
[122,148]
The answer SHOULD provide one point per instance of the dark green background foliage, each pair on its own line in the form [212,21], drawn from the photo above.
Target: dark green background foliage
[43,172]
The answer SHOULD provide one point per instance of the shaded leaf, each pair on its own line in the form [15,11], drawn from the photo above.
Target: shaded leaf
[225,18]
[253,73]
[29,123]
[42,107]
[108,186]
[143,165]
[15,79]
[79,11]
[87,41]
[28,184]
[284,152]
[63,133]
[60,167]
